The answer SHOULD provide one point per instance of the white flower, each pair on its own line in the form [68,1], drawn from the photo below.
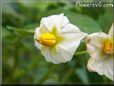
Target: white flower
[100,46]
[57,38]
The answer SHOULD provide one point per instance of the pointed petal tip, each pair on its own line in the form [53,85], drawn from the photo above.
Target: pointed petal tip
[62,14]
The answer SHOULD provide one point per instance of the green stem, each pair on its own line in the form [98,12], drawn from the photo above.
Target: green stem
[24,31]
[80,52]
[67,75]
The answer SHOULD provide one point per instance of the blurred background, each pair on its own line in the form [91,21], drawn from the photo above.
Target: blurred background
[23,63]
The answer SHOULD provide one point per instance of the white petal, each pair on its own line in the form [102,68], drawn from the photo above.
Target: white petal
[70,31]
[65,21]
[43,28]
[95,52]
[37,32]
[36,36]
[61,54]
[38,45]
[95,44]
[65,49]
[69,45]
[70,28]
[61,21]
[102,66]
[89,64]
[111,31]
[97,39]
[57,21]
[109,68]
[47,23]
[95,65]
[46,52]
[72,37]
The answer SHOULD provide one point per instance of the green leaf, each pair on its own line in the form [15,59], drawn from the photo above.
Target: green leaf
[82,74]
[106,20]
[38,4]
[85,23]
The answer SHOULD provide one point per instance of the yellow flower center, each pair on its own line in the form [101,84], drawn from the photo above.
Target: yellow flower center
[47,39]
[108,47]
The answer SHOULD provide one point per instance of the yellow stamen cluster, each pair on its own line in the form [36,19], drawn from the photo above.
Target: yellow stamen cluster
[108,47]
[47,39]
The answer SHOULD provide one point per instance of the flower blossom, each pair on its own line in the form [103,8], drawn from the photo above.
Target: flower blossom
[57,38]
[100,46]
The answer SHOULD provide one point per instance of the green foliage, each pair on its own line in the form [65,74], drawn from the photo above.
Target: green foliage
[23,62]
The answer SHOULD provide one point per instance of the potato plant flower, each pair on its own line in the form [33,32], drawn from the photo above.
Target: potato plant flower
[57,38]
[100,46]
